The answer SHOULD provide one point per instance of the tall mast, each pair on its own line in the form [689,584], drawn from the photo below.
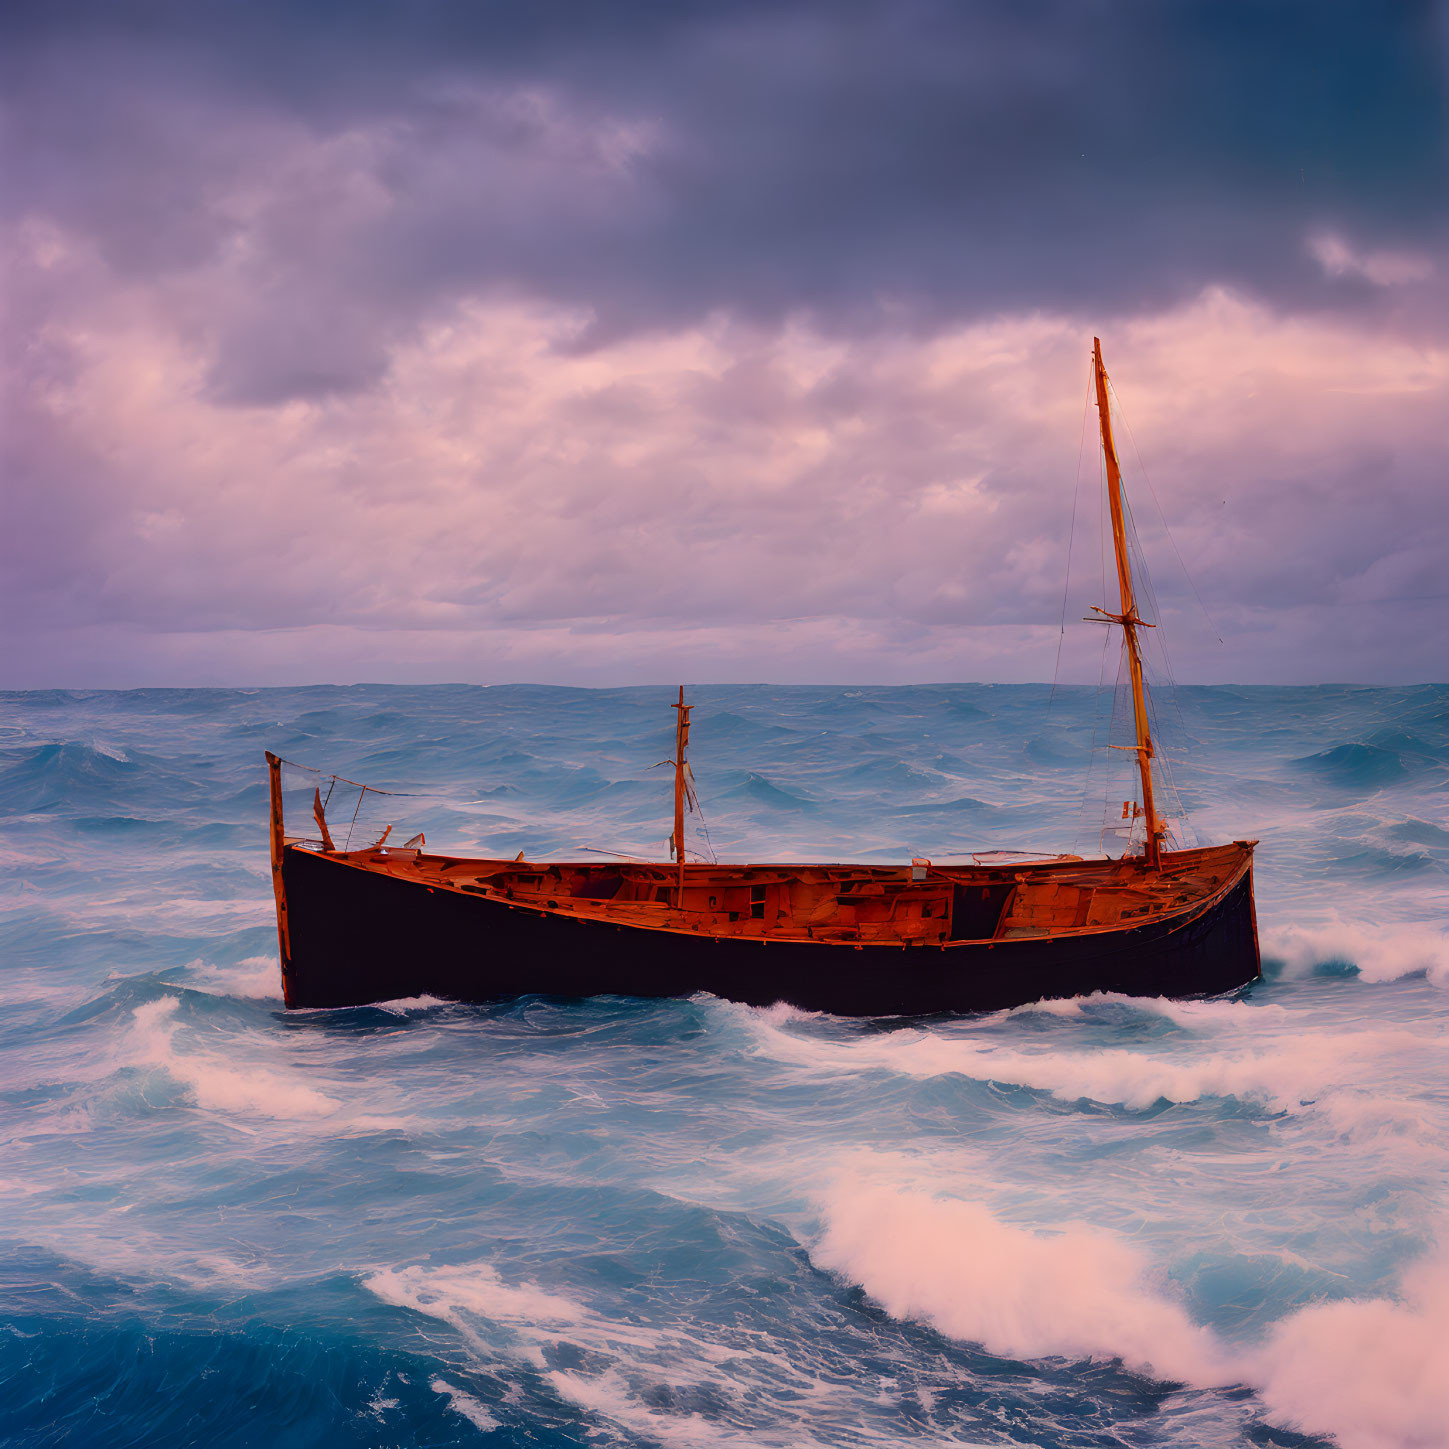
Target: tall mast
[1128,617]
[681,789]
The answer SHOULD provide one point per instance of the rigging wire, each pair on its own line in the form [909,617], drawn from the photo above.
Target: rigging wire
[352,824]
[1159,678]
[1162,515]
[1088,794]
[1121,707]
[1168,675]
[704,831]
[1072,534]
[1096,762]
[333,781]
[1140,560]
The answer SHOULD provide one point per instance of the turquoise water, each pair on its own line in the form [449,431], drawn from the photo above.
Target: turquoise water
[689,1223]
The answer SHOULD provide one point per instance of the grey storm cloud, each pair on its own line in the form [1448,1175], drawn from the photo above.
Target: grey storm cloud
[904,164]
[592,340]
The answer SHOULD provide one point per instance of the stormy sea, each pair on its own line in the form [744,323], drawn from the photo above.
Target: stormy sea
[1106,1221]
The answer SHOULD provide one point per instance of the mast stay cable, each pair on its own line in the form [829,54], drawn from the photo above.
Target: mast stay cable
[1072,534]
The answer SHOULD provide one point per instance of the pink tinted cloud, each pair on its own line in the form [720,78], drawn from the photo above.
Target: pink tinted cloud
[722,499]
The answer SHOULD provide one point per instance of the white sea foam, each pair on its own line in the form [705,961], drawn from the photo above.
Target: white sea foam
[462,1294]
[779,1013]
[216,1084]
[475,1288]
[1284,1073]
[1373,1116]
[1194,1015]
[402,1005]
[121,1245]
[1076,1293]
[633,1358]
[181,915]
[1373,1373]
[1381,953]
[465,1404]
[1074,1006]
[253,1089]
[257,977]
[611,1396]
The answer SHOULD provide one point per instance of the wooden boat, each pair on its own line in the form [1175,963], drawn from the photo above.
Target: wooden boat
[378,923]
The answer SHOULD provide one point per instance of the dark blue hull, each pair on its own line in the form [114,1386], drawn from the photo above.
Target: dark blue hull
[356,935]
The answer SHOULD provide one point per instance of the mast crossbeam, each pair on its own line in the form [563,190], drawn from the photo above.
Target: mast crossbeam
[1104,617]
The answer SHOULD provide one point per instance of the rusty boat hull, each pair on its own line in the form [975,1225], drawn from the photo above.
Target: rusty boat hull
[374,926]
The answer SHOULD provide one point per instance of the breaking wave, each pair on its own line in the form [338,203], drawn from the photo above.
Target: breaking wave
[1373,1373]
[214,1083]
[1285,1073]
[1073,1293]
[1377,953]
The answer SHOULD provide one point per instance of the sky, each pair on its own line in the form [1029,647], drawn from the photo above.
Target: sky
[634,342]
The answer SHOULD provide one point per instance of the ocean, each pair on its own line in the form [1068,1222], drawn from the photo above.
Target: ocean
[1101,1222]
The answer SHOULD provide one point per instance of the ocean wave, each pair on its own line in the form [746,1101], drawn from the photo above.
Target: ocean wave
[1356,766]
[1407,745]
[46,777]
[1074,1293]
[463,1403]
[681,1380]
[1373,1373]
[242,1083]
[215,1083]
[1376,861]
[756,790]
[1286,1073]
[1418,832]
[665,1172]
[1193,1015]
[1377,953]
[256,977]
[474,1290]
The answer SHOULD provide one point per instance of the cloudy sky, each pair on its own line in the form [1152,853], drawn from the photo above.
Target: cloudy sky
[627,342]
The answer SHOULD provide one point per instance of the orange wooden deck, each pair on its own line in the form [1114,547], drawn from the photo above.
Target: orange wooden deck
[842,903]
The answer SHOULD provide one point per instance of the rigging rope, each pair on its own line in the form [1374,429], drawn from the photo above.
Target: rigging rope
[1072,534]
[1156,503]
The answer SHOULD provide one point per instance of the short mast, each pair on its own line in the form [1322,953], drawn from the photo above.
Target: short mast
[279,885]
[681,789]
[1128,617]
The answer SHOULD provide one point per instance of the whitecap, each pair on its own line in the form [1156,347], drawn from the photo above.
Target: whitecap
[254,977]
[1284,1073]
[465,1404]
[1381,953]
